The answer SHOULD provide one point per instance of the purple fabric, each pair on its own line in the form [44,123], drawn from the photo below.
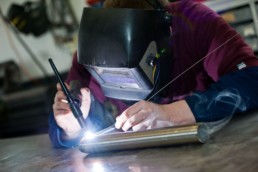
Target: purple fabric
[199,34]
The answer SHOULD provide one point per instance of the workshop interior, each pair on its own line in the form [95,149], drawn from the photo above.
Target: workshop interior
[33,31]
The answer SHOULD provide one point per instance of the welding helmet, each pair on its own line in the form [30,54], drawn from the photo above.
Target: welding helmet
[122,49]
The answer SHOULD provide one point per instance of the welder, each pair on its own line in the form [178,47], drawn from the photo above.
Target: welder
[142,68]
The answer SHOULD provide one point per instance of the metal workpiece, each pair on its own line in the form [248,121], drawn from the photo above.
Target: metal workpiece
[144,139]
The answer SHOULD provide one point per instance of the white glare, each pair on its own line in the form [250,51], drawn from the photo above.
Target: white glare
[89,135]
[97,167]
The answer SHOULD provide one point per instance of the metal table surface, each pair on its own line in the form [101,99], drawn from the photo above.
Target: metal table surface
[233,148]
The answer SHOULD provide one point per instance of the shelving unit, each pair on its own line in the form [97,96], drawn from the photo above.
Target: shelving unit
[242,15]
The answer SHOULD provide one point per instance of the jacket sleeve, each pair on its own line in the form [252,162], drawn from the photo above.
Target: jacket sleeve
[235,92]
[56,133]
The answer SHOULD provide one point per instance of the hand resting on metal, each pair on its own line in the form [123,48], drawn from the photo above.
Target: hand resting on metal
[147,115]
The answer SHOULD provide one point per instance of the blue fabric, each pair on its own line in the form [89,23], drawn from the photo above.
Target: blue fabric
[56,133]
[235,92]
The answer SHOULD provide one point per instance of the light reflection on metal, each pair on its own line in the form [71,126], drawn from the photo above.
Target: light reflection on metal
[97,167]
[145,139]
[89,135]
[109,129]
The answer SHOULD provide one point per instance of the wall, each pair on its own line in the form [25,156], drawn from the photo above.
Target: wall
[43,47]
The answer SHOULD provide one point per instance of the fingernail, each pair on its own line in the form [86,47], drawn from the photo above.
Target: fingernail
[125,128]
[117,125]
[64,101]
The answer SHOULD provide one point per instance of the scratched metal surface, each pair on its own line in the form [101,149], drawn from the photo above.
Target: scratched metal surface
[234,148]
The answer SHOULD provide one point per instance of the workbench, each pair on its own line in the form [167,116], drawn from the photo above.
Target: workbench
[233,148]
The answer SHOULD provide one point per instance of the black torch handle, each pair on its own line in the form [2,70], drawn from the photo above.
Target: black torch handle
[75,108]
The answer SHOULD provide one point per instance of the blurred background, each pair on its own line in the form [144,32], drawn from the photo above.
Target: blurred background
[32,31]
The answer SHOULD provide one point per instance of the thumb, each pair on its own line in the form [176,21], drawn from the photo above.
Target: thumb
[86,101]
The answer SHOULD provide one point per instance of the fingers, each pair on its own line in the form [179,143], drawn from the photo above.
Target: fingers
[134,120]
[86,101]
[140,127]
[132,116]
[120,120]
[60,105]
[59,88]
[63,114]
[144,115]
[85,94]
[151,124]
[157,123]
[60,96]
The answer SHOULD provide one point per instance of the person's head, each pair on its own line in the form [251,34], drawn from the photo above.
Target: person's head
[133,33]
[140,4]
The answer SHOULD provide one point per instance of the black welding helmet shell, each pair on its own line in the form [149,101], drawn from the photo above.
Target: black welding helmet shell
[121,48]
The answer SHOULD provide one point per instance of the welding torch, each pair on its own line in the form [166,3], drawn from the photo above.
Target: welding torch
[74,105]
